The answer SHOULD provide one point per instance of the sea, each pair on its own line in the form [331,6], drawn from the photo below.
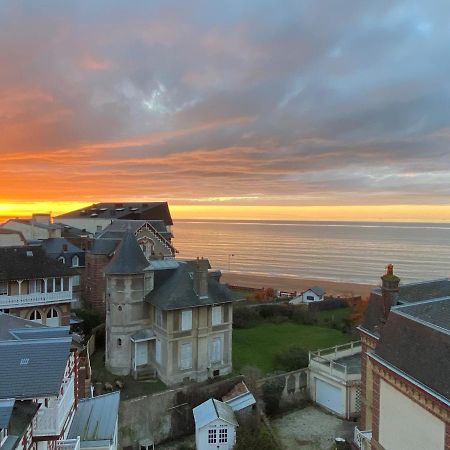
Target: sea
[340,251]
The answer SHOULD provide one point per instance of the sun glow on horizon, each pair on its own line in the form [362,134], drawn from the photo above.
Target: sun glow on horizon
[411,213]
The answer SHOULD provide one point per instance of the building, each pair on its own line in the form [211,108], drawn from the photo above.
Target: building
[153,239]
[313,294]
[215,425]
[95,422]
[241,400]
[169,317]
[38,373]
[98,216]
[405,366]
[35,286]
[335,379]
[39,227]
[11,238]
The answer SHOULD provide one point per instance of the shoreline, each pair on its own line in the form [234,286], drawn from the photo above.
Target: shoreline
[297,284]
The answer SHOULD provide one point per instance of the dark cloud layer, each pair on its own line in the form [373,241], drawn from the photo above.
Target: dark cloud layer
[293,102]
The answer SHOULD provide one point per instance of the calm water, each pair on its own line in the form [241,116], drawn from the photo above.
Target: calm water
[341,251]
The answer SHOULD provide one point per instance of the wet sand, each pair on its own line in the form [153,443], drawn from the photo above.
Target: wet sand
[296,284]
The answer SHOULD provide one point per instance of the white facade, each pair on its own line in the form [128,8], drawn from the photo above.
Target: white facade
[308,296]
[216,435]
[404,425]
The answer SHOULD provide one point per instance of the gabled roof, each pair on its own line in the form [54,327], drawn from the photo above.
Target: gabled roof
[95,419]
[128,259]
[33,368]
[239,397]
[416,341]
[6,408]
[176,289]
[212,410]
[317,290]
[133,211]
[29,262]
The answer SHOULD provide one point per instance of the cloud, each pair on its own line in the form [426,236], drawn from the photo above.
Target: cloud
[233,103]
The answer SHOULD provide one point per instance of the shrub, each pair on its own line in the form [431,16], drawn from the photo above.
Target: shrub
[90,320]
[272,395]
[244,317]
[291,359]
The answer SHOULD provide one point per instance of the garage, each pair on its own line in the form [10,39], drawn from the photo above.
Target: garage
[330,397]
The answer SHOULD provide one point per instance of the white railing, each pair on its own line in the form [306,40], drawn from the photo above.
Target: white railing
[50,421]
[350,348]
[362,439]
[38,298]
[68,444]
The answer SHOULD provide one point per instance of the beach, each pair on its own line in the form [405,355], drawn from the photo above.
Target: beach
[291,284]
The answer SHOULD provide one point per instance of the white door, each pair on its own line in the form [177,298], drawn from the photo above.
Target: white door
[329,396]
[142,353]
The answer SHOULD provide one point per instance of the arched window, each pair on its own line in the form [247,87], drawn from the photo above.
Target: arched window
[52,318]
[75,261]
[62,259]
[35,316]
[119,342]
[119,308]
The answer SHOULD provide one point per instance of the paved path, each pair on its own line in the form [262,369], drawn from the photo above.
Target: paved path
[311,429]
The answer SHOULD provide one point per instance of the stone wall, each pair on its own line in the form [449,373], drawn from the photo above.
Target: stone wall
[168,414]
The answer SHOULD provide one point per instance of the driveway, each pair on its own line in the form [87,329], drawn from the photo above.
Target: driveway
[311,429]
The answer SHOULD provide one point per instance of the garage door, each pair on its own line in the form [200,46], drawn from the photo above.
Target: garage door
[329,396]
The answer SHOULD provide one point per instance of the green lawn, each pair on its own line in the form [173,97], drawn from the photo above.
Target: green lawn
[257,346]
[336,315]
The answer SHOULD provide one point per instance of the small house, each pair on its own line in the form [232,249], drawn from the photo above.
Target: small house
[313,294]
[241,400]
[215,425]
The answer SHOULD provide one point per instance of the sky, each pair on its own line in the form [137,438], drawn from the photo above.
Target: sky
[276,109]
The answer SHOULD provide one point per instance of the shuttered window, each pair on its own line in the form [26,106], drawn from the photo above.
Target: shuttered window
[216,315]
[216,350]
[186,320]
[186,356]
[158,351]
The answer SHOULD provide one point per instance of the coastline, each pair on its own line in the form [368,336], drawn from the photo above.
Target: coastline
[296,284]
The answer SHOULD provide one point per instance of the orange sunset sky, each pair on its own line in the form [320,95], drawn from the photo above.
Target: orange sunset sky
[235,111]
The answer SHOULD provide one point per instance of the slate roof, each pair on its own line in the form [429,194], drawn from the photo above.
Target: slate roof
[118,227]
[317,290]
[9,322]
[129,258]
[411,342]
[433,312]
[104,246]
[6,408]
[30,222]
[212,410]
[33,368]
[59,246]
[239,397]
[176,289]
[132,211]
[29,262]
[95,419]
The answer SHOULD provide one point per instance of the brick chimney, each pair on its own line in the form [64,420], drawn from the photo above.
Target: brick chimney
[389,289]
[201,277]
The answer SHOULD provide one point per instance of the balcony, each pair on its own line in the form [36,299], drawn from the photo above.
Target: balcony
[68,444]
[50,421]
[38,298]
[362,439]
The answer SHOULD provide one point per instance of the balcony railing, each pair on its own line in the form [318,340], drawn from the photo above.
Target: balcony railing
[68,444]
[50,421]
[38,298]
[362,439]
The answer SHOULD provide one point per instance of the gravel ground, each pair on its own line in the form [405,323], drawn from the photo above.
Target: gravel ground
[311,429]
[188,442]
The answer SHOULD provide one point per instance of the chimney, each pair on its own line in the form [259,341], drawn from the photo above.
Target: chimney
[41,218]
[389,290]
[201,277]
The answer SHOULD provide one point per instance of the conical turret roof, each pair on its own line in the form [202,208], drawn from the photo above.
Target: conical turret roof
[129,258]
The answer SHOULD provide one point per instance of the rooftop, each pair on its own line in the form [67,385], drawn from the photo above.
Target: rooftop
[212,410]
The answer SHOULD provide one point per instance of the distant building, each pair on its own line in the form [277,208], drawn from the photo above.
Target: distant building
[95,422]
[405,365]
[313,294]
[215,426]
[11,238]
[39,227]
[168,317]
[35,286]
[97,217]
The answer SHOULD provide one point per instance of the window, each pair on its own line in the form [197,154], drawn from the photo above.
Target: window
[212,437]
[62,259]
[52,318]
[158,351]
[223,435]
[119,342]
[58,285]
[216,315]
[186,356]
[158,317]
[75,261]
[3,287]
[36,316]
[75,281]
[186,320]
[50,284]
[216,350]
[52,313]
[309,297]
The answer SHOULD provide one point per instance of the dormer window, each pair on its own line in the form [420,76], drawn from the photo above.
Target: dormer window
[75,261]
[62,259]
